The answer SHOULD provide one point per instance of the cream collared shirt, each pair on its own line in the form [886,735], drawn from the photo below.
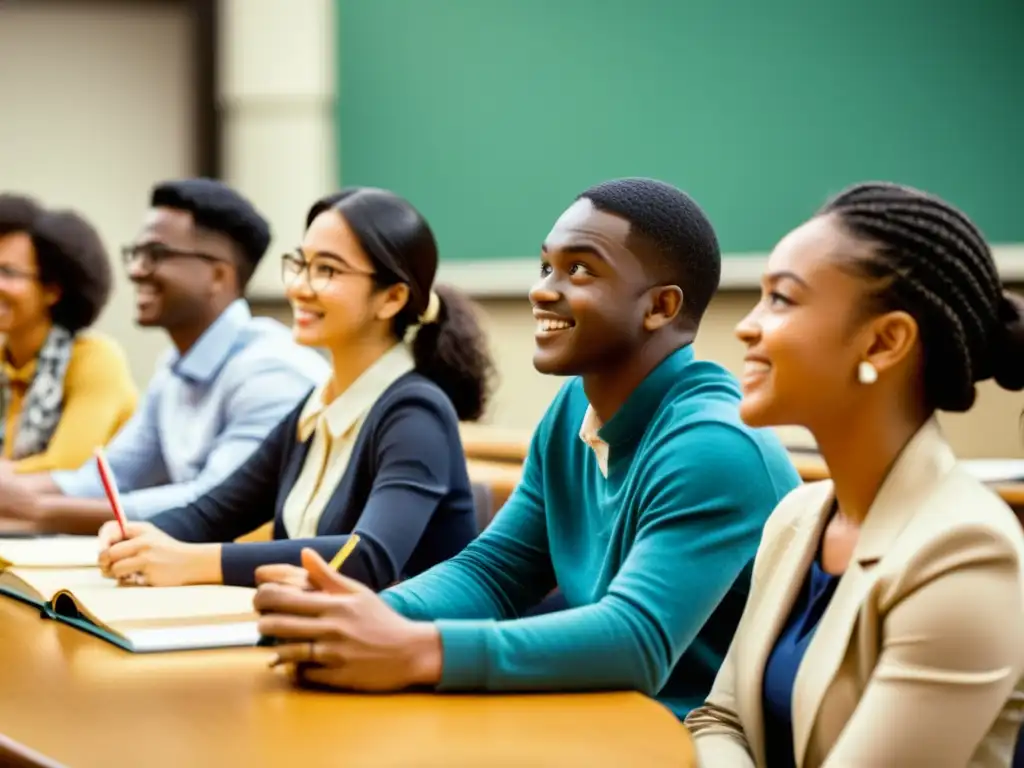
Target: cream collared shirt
[588,434]
[334,428]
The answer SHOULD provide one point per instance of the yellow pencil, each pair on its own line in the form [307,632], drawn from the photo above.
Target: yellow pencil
[344,552]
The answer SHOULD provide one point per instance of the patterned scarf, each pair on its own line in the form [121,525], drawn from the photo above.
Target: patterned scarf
[43,402]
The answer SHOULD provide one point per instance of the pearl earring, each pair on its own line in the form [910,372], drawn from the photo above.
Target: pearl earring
[867,373]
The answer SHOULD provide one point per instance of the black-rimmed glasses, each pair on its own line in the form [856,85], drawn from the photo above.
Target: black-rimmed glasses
[320,270]
[7,272]
[149,256]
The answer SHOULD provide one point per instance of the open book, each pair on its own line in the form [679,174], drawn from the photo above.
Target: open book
[59,575]
[146,619]
[34,569]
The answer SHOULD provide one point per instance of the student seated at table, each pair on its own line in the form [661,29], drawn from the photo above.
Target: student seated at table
[229,379]
[375,450]
[643,495]
[885,626]
[63,389]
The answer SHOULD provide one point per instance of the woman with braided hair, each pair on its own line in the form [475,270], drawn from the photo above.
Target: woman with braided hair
[885,624]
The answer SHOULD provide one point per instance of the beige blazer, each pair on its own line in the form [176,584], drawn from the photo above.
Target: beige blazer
[918,659]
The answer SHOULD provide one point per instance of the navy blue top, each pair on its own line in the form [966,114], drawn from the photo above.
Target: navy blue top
[405,491]
[784,661]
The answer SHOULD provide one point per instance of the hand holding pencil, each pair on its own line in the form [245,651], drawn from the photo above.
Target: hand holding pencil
[337,632]
[140,554]
[293,576]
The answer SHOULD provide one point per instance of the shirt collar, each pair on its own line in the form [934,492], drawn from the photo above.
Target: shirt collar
[630,422]
[589,434]
[206,357]
[352,404]
[22,375]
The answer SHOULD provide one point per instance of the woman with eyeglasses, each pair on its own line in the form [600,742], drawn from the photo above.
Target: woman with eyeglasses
[63,390]
[375,450]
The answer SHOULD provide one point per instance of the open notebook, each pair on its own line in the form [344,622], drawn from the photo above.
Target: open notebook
[59,575]
[33,569]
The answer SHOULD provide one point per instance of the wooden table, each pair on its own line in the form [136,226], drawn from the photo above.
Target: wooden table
[67,698]
[497,454]
[481,441]
[811,468]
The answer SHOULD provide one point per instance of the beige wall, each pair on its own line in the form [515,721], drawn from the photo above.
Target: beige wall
[277,100]
[989,430]
[94,107]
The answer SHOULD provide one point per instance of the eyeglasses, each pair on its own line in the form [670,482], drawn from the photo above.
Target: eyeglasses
[8,272]
[152,255]
[320,271]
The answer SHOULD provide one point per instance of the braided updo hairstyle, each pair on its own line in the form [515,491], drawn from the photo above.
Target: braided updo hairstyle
[929,260]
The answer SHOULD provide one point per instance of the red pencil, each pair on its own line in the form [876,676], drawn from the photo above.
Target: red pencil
[110,486]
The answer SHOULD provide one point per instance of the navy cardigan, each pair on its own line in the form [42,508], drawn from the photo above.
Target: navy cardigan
[406,492]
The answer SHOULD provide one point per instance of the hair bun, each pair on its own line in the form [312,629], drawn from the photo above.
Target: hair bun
[1008,349]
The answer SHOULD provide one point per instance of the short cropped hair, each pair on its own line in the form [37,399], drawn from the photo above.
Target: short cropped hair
[217,207]
[676,225]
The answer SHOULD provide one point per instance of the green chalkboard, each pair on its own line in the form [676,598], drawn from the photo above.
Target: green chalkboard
[491,115]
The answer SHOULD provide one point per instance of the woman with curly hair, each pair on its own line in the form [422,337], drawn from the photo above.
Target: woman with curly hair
[63,391]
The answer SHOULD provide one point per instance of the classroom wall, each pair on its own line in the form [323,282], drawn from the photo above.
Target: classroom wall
[300,83]
[991,429]
[95,105]
[95,126]
[277,100]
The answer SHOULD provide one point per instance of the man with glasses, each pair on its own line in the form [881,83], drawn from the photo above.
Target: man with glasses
[229,379]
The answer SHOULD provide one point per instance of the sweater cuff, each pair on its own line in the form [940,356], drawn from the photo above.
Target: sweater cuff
[238,564]
[393,601]
[466,663]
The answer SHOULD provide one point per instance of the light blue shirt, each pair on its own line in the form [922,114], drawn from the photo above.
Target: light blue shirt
[203,414]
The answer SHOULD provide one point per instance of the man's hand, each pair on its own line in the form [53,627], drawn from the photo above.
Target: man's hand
[338,633]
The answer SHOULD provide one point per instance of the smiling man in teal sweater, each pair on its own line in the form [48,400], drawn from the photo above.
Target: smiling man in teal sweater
[642,499]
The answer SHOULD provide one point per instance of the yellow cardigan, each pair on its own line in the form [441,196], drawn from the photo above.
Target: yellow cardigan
[99,397]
